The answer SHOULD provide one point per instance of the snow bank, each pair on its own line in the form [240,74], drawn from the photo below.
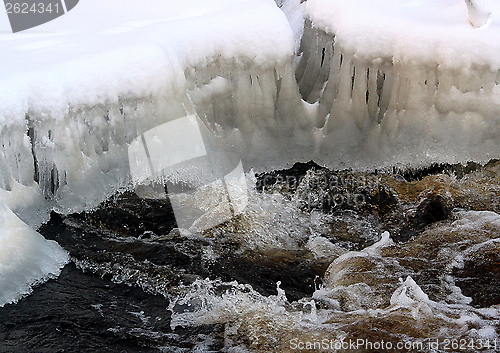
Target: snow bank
[76,91]
[26,258]
[402,82]
[108,49]
[423,31]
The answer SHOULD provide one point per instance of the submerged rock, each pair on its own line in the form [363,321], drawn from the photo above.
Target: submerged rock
[479,277]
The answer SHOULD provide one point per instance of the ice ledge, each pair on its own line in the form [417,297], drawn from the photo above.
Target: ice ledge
[26,258]
[413,31]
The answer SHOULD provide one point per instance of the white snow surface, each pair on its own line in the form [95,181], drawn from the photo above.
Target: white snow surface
[412,30]
[104,49]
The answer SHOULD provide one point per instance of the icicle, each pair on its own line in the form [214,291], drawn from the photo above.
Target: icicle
[267,97]
[345,82]
[5,176]
[326,57]
[385,82]
[305,50]
[289,105]
[479,13]
[243,102]
[415,89]
[331,90]
[445,84]
[312,70]
[402,93]
[373,97]
[431,84]
[359,102]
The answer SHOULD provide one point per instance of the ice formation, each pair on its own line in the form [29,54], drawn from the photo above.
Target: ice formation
[375,84]
[411,79]
[479,12]
[26,257]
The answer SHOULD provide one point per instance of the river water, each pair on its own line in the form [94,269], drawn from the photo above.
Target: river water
[321,260]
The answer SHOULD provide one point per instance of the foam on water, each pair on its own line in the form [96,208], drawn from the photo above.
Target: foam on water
[368,295]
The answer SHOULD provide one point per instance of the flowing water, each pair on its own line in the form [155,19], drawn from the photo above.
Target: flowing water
[321,260]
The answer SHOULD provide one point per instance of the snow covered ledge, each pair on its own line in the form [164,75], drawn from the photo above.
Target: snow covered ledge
[72,101]
[26,258]
[409,80]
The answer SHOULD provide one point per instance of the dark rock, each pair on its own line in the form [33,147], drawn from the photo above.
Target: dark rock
[432,208]
[480,278]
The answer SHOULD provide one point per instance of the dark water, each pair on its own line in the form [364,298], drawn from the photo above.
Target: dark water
[113,296]
[84,312]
